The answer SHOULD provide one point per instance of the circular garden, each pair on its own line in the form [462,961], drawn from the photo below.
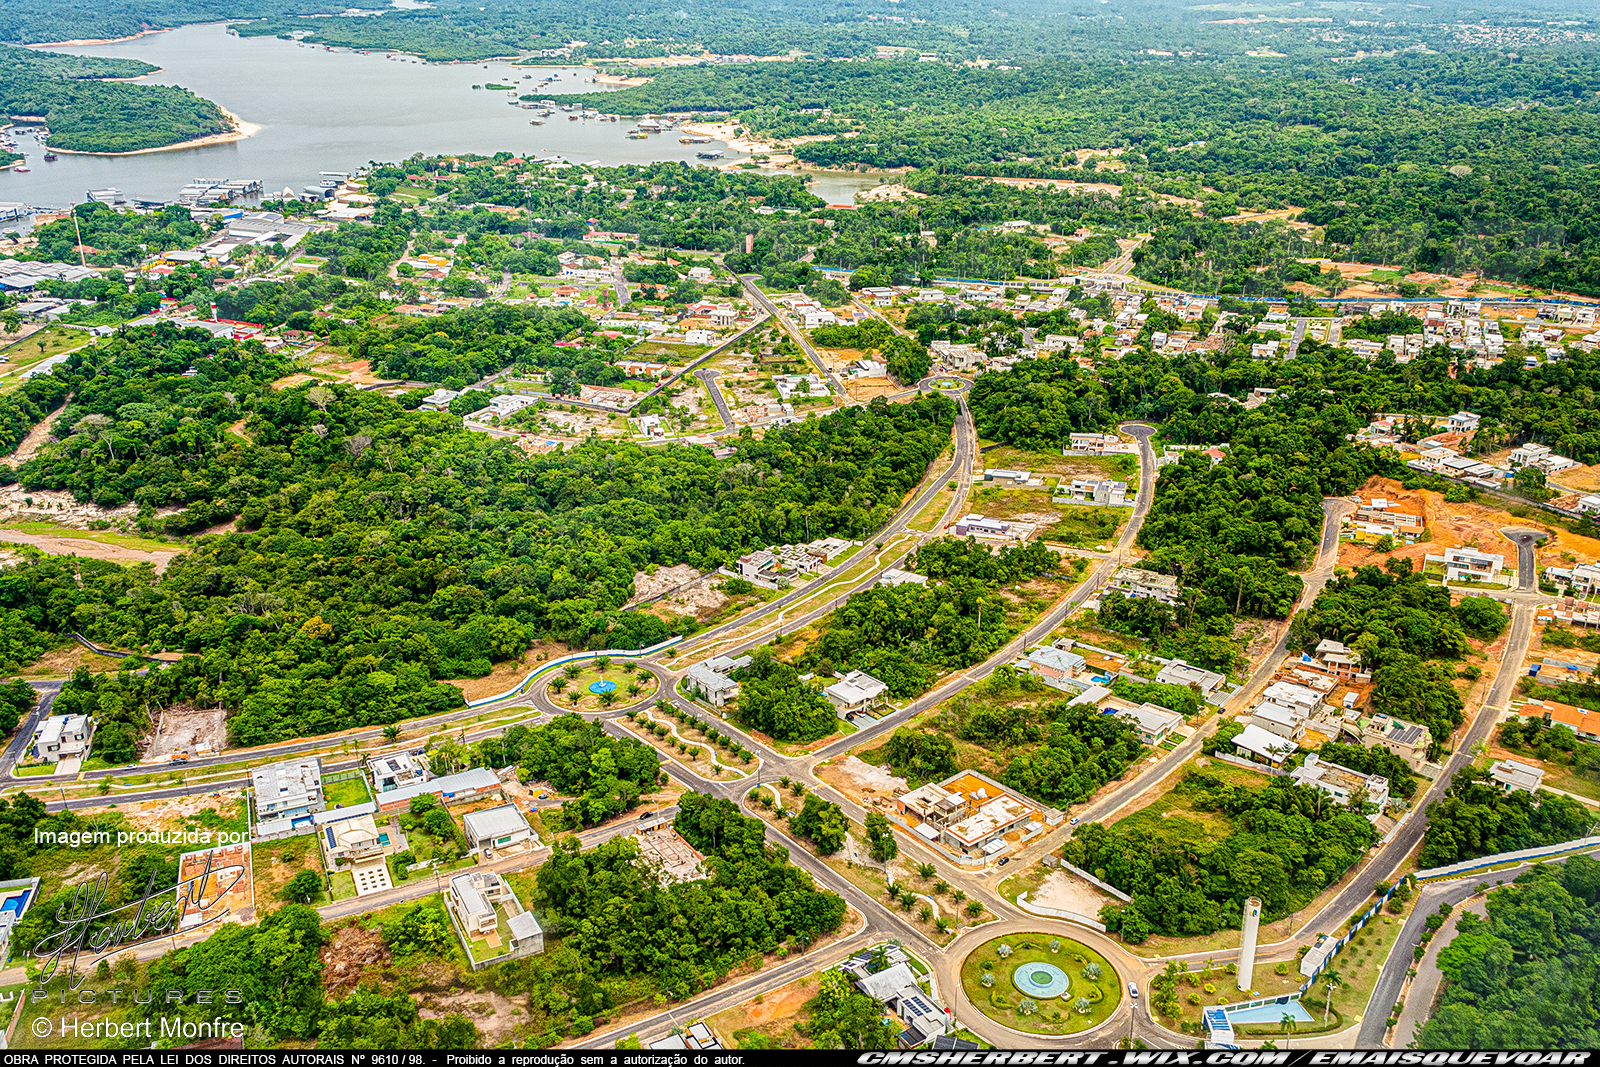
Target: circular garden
[598,685]
[1041,984]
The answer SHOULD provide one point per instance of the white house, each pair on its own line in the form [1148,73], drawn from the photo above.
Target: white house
[1512,775]
[396,770]
[855,692]
[716,688]
[498,828]
[1470,565]
[1341,782]
[62,737]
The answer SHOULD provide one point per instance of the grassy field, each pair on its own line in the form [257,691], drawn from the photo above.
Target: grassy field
[25,353]
[1121,468]
[346,793]
[40,528]
[1002,1000]
[1074,524]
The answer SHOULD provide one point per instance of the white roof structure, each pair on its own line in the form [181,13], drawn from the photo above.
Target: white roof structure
[493,823]
[1259,742]
[887,982]
[857,687]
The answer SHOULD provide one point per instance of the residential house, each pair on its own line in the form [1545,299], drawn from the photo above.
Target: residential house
[396,770]
[1089,444]
[696,1038]
[1262,746]
[496,829]
[290,791]
[438,400]
[1581,721]
[1342,783]
[970,814]
[1462,422]
[1287,723]
[1151,722]
[1582,580]
[455,788]
[1405,739]
[711,686]
[1512,775]
[1056,667]
[352,840]
[1102,491]
[1138,582]
[1178,672]
[921,1017]
[855,693]
[60,737]
[1289,695]
[1334,659]
[978,526]
[479,901]
[1470,565]
[1540,456]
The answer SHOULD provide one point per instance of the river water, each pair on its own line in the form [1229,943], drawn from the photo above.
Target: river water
[323,110]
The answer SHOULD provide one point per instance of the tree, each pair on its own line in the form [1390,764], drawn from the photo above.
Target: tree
[1330,982]
[823,822]
[302,887]
[881,843]
[843,1017]
[1290,1025]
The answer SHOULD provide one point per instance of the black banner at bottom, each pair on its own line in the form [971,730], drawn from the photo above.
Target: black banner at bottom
[810,1057]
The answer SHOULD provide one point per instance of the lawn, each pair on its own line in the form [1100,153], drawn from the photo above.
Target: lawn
[1058,1015]
[346,793]
[565,685]
[930,515]
[1086,526]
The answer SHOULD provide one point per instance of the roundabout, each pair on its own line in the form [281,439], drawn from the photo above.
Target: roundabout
[1041,983]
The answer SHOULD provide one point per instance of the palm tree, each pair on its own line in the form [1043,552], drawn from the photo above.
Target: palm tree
[391,732]
[926,870]
[557,684]
[574,696]
[572,670]
[1290,1025]
[634,689]
[1330,981]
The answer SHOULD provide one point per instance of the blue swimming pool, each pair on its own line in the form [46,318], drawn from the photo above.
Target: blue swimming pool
[1270,1013]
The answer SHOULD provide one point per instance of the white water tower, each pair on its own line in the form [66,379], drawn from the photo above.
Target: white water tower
[1247,944]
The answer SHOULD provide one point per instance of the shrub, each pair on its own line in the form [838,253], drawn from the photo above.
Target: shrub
[986,980]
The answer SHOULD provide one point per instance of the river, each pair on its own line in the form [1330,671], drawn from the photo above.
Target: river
[323,110]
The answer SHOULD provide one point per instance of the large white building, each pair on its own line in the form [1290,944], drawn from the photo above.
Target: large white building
[288,792]
[61,737]
[855,692]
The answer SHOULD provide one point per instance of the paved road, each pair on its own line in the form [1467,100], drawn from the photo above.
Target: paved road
[1527,567]
[620,284]
[753,291]
[708,378]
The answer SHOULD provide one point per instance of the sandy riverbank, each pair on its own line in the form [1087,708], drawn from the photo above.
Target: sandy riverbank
[98,40]
[617,79]
[723,131]
[241,130]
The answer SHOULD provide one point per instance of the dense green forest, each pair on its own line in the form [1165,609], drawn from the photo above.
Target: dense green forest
[1285,844]
[418,592]
[1525,976]
[1474,818]
[1437,162]
[86,114]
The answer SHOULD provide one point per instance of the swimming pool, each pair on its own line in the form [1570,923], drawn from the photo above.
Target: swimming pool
[1270,1012]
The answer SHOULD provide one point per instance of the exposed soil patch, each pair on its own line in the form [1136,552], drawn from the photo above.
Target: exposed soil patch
[60,662]
[36,437]
[186,728]
[347,958]
[168,813]
[646,586]
[494,1014]
[865,389]
[90,549]
[1069,893]
[507,674]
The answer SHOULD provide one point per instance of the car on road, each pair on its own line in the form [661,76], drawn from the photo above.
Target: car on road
[1133,990]
[1074,821]
[1003,861]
